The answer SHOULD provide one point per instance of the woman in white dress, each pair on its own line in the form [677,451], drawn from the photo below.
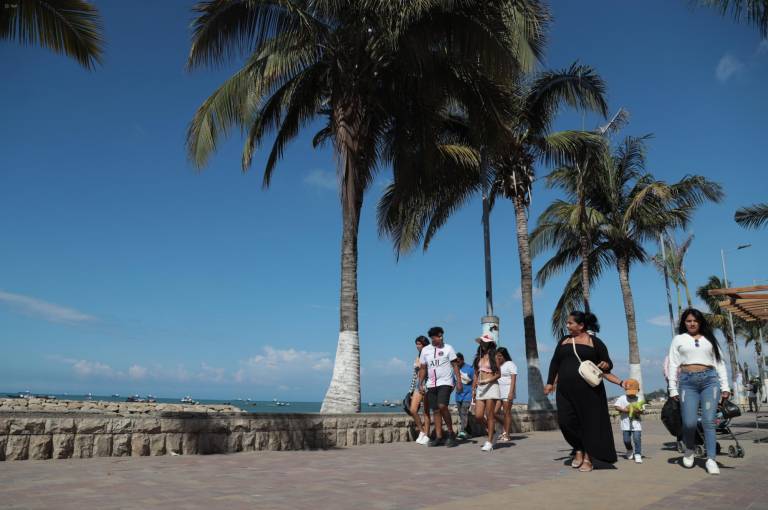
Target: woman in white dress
[507,383]
[485,388]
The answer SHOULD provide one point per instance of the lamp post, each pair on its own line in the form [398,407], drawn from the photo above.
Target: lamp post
[490,322]
[734,346]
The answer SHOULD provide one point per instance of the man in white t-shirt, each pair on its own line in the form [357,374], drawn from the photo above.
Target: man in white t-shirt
[630,410]
[438,366]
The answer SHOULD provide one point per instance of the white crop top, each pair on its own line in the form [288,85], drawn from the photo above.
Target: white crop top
[683,351]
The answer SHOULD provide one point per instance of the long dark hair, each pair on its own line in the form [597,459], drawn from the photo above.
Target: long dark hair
[424,341]
[588,319]
[704,328]
[482,350]
[504,353]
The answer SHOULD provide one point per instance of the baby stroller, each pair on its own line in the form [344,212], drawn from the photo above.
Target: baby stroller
[726,411]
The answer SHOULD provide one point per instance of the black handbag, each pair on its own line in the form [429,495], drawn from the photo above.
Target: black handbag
[407,402]
[671,417]
[729,409]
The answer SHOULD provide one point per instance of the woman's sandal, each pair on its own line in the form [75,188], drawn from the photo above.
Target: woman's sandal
[586,466]
[575,464]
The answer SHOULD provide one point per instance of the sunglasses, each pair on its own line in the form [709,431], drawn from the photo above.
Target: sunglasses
[696,342]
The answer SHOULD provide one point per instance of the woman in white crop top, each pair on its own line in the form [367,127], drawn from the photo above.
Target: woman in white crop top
[700,381]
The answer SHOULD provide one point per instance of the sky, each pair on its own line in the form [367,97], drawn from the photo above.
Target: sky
[125,270]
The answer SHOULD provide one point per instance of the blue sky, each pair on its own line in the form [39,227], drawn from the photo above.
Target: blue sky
[125,270]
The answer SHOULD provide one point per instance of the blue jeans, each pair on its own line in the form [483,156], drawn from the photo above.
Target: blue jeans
[632,436]
[699,388]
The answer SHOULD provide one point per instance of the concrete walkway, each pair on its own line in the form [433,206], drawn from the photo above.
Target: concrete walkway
[527,474]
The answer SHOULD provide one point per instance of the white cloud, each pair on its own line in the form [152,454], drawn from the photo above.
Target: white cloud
[85,368]
[44,310]
[518,294]
[322,179]
[137,372]
[276,366]
[659,320]
[727,67]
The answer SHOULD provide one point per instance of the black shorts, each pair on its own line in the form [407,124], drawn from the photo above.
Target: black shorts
[440,395]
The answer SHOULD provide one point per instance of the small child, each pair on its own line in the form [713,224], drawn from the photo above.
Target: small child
[631,409]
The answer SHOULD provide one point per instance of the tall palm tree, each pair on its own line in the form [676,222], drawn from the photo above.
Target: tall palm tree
[70,27]
[753,216]
[363,67]
[755,12]
[412,212]
[718,318]
[629,207]
[673,262]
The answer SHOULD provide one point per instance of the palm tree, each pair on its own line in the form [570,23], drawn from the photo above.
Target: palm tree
[412,212]
[754,11]
[363,67]
[628,207]
[673,263]
[753,216]
[69,27]
[718,318]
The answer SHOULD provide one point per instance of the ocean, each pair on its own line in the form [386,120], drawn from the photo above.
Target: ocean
[255,406]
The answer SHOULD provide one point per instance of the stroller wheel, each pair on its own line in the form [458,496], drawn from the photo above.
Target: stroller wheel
[732,451]
[739,451]
[700,451]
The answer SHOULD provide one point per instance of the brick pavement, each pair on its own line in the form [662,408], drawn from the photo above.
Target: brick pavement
[528,474]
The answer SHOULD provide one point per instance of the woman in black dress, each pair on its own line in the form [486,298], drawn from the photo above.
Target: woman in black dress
[582,410]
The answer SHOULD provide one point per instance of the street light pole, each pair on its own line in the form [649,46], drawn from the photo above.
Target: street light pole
[734,345]
[490,322]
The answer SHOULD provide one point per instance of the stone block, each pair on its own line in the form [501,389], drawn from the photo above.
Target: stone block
[240,425]
[190,443]
[40,447]
[261,440]
[59,425]
[213,442]
[217,426]
[27,426]
[249,441]
[235,442]
[92,425]
[122,426]
[121,445]
[5,425]
[3,443]
[102,445]
[63,446]
[147,425]
[139,444]
[157,444]
[83,447]
[173,442]
[17,447]
[172,425]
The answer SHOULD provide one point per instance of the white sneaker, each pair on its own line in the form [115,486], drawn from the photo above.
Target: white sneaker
[638,458]
[688,459]
[422,439]
[712,467]
[629,455]
[487,447]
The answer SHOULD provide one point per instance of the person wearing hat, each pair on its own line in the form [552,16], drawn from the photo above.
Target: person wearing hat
[630,409]
[485,387]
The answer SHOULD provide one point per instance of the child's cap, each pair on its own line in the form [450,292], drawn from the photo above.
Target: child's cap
[633,387]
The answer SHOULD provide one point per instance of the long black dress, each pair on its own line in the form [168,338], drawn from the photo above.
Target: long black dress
[582,411]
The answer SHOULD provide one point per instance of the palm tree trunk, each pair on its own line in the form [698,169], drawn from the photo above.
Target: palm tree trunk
[343,395]
[584,253]
[536,398]
[731,354]
[679,299]
[635,372]
[684,280]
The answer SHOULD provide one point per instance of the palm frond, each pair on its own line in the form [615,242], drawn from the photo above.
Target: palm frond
[69,27]
[753,216]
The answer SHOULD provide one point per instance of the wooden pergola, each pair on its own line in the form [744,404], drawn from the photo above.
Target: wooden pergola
[748,303]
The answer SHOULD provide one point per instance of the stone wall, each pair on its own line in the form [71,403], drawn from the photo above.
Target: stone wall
[32,434]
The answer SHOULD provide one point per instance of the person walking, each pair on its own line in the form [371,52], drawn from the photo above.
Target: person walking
[702,382]
[507,383]
[417,396]
[464,398]
[485,387]
[582,410]
[438,366]
[631,409]
[752,395]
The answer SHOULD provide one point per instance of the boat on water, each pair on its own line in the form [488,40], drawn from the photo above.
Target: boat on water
[188,400]
[115,395]
[134,398]
[371,404]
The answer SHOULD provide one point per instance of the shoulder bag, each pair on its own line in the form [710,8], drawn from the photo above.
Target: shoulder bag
[587,369]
